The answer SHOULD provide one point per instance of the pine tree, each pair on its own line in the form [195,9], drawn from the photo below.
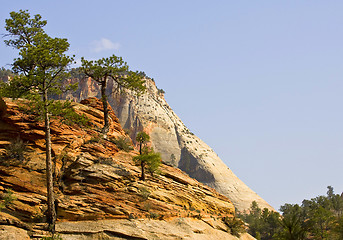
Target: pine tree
[147,158]
[116,69]
[41,66]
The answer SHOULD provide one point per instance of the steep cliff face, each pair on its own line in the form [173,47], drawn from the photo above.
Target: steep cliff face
[179,147]
[97,187]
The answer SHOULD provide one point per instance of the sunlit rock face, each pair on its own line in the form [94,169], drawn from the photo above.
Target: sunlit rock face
[97,186]
[179,147]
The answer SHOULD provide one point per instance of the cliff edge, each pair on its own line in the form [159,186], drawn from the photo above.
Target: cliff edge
[179,147]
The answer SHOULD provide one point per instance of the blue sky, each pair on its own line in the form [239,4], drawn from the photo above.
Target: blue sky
[259,81]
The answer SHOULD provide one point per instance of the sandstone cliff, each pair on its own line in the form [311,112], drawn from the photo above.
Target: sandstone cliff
[98,191]
[179,147]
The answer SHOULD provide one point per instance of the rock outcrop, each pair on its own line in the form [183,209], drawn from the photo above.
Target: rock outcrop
[178,228]
[98,191]
[179,147]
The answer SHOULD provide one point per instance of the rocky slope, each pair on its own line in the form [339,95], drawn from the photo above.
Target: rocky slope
[179,147]
[98,191]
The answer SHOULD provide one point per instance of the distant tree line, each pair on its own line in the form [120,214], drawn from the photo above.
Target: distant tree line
[5,73]
[318,218]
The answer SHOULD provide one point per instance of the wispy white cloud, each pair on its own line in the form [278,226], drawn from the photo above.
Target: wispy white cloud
[104,44]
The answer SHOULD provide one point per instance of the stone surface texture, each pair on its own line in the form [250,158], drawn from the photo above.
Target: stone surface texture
[179,228]
[97,187]
[179,147]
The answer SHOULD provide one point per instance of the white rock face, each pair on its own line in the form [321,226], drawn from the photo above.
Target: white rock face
[177,145]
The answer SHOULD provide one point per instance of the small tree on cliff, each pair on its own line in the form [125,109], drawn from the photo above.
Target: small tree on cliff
[142,138]
[41,64]
[116,69]
[147,158]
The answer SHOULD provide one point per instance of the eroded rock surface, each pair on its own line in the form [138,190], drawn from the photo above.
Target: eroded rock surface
[178,228]
[97,184]
[179,147]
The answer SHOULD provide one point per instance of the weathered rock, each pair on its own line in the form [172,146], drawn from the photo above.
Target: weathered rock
[179,228]
[96,181]
[169,136]
[7,219]
[13,233]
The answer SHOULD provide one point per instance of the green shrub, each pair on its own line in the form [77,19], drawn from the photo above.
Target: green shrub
[160,91]
[153,215]
[144,193]
[64,110]
[150,161]
[235,225]
[123,143]
[7,199]
[105,161]
[95,139]
[15,152]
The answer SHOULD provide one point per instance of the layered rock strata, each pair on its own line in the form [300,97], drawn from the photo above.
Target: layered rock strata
[97,184]
[169,136]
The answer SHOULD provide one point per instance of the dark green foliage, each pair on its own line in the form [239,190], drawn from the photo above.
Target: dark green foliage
[15,153]
[235,225]
[16,88]
[292,222]
[61,110]
[7,199]
[22,29]
[105,161]
[335,202]
[318,218]
[153,215]
[153,162]
[338,228]
[144,193]
[142,138]
[142,74]
[160,91]
[77,73]
[95,139]
[41,67]
[148,160]
[65,111]
[5,73]
[42,62]
[123,143]
[263,224]
[116,69]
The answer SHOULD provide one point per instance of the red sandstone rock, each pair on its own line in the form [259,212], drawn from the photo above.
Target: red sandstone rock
[94,179]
